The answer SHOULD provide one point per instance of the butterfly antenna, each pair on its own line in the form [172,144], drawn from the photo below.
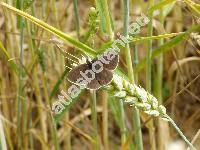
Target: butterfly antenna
[73,60]
[72,55]
[87,57]
[66,52]
[68,67]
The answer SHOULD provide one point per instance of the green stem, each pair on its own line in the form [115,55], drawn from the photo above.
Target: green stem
[103,8]
[105,119]
[108,21]
[20,92]
[161,125]
[136,115]
[55,13]
[94,120]
[148,75]
[76,17]
[160,64]
[158,94]
[180,133]
[122,123]
[137,129]
[34,50]
[135,62]
[54,132]
[149,52]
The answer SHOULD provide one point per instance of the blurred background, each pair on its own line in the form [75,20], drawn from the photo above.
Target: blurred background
[33,72]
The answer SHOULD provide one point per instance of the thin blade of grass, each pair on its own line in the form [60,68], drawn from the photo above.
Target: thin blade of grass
[76,17]
[82,47]
[13,65]
[195,7]
[167,46]
[100,8]
[159,5]
[140,40]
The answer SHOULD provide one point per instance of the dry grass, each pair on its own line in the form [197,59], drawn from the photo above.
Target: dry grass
[33,73]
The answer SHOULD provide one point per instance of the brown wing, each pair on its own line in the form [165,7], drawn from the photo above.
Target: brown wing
[108,64]
[74,74]
[112,64]
[101,79]
[104,77]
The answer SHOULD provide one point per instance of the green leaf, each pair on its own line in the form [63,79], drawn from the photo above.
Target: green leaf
[56,86]
[139,40]
[160,5]
[167,9]
[194,7]
[167,46]
[101,10]
[11,62]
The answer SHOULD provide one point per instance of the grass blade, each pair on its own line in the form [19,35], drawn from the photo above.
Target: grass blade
[60,34]
[167,46]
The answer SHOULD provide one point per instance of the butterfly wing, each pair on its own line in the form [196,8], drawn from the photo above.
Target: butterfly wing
[74,74]
[101,79]
[104,77]
[112,64]
[108,64]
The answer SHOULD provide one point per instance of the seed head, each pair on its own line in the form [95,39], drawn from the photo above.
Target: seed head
[137,96]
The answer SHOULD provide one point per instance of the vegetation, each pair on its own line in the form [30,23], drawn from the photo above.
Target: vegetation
[37,39]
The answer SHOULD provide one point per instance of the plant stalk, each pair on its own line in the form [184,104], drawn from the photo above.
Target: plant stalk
[136,115]
[180,133]
[108,21]
[76,18]
[163,127]
[105,119]
[150,124]
[94,120]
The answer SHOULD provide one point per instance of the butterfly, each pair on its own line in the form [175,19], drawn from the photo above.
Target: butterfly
[95,73]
